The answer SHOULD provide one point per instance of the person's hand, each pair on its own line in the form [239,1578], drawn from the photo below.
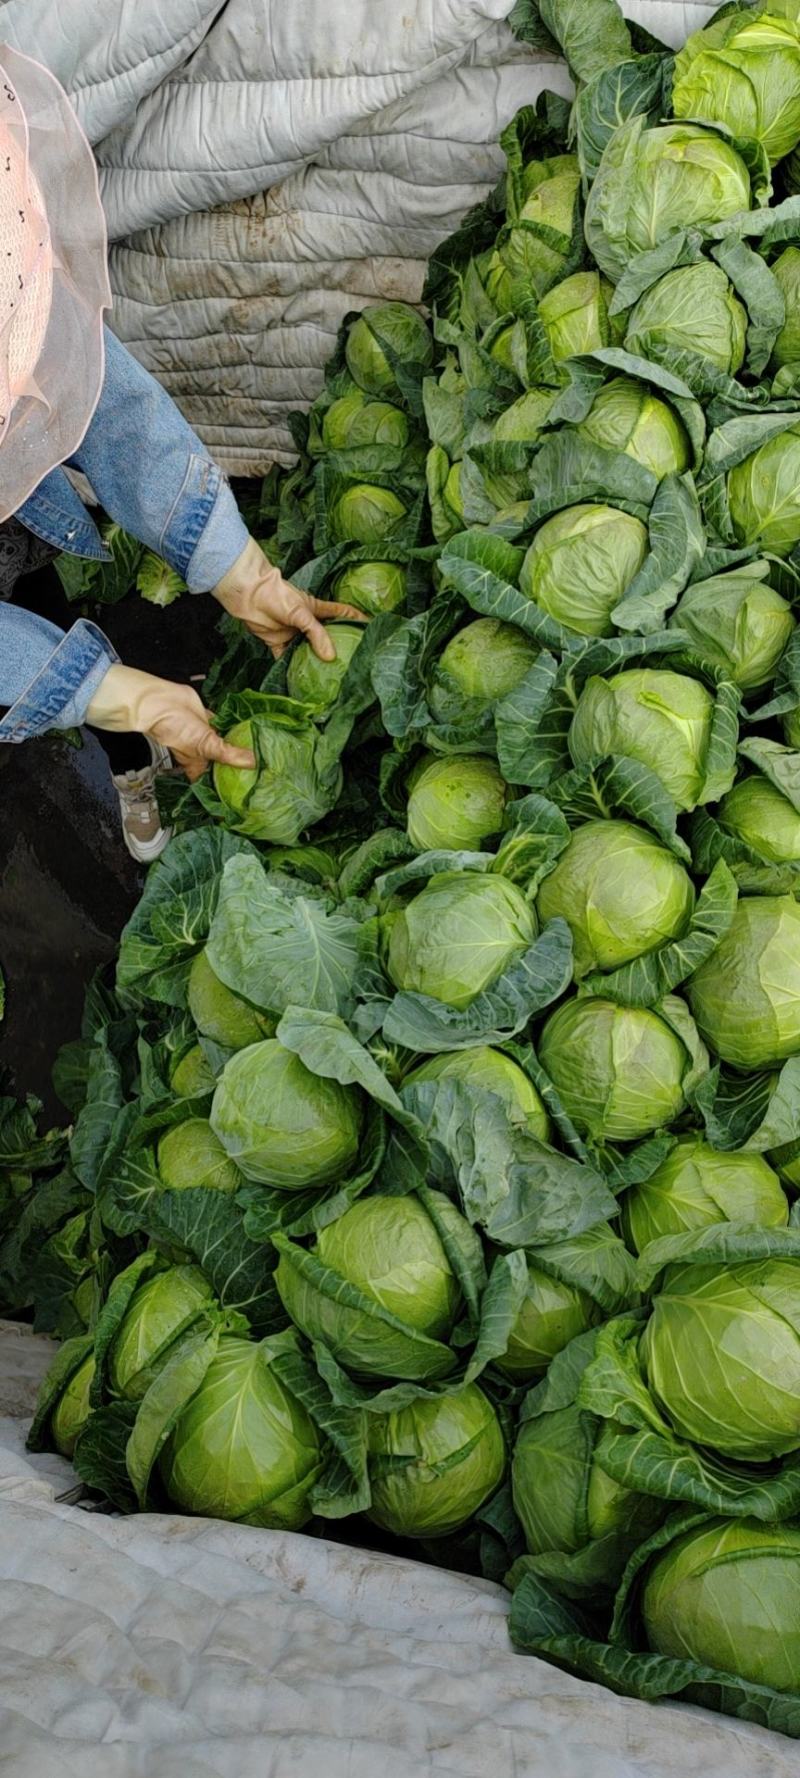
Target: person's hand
[129,701]
[257,594]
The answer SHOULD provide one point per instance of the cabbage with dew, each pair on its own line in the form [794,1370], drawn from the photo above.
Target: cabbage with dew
[574,316]
[73,1407]
[742,71]
[737,622]
[221,1015]
[494,1072]
[786,269]
[653,182]
[191,1155]
[479,665]
[727,1594]
[721,1352]
[434,1463]
[580,564]
[660,718]
[552,1313]
[385,338]
[353,421]
[378,1288]
[458,935]
[550,205]
[746,996]
[618,1070]
[691,309]
[626,416]
[243,1448]
[756,812]
[317,683]
[764,494]
[283,794]
[456,801]
[697,1185]
[282,1125]
[621,892]
[372,587]
[366,514]
[192,1076]
[162,1312]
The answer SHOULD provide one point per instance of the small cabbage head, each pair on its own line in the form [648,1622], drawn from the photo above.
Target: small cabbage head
[749,1407]
[552,1314]
[764,494]
[456,801]
[535,257]
[727,1594]
[692,309]
[680,176]
[221,1015]
[495,1072]
[191,1155]
[434,1463]
[353,420]
[283,795]
[365,513]
[743,72]
[282,1125]
[372,587]
[737,622]
[580,564]
[318,683]
[746,996]
[521,423]
[574,316]
[192,1076]
[162,1312]
[243,1447]
[563,1497]
[458,935]
[786,268]
[621,892]
[660,718]
[756,812]
[388,1297]
[385,338]
[618,1070]
[698,1185]
[626,416]
[480,665]
[73,1407]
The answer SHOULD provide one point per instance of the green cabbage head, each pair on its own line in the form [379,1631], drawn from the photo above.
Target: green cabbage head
[456,801]
[192,1076]
[386,338]
[698,1185]
[480,664]
[366,514]
[221,1015]
[580,564]
[743,72]
[73,1407]
[764,494]
[531,250]
[621,892]
[652,182]
[434,1463]
[372,587]
[563,1497]
[162,1312]
[786,268]
[574,316]
[317,683]
[626,416]
[552,1314]
[283,795]
[282,1125]
[727,1594]
[353,420]
[692,309]
[746,996]
[660,718]
[191,1155]
[738,623]
[495,1072]
[618,1070]
[458,935]
[756,812]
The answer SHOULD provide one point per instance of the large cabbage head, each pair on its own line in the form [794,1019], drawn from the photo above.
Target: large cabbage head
[621,892]
[580,564]
[366,514]
[563,1497]
[764,494]
[385,339]
[495,1072]
[353,420]
[458,935]
[282,1125]
[746,996]
[756,812]
[721,1351]
[652,182]
[191,1155]
[626,416]
[243,1447]
[698,1185]
[372,587]
[552,1314]
[743,71]
[456,801]
[162,1312]
[692,309]
[283,795]
[536,247]
[383,1295]
[618,1070]
[738,623]
[73,1407]
[221,1015]
[574,316]
[480,664]
[727,1594]
[660,718]
[786,268]
[434,1463]
[317,683]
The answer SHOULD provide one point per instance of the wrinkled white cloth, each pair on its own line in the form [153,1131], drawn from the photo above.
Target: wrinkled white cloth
[158,1647]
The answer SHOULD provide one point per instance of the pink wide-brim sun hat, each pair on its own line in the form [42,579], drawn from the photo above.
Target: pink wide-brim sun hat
[54,284]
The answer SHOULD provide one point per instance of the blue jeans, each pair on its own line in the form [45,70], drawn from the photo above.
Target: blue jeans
[153,476]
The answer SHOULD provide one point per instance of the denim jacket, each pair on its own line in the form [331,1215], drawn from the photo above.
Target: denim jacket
[152,475]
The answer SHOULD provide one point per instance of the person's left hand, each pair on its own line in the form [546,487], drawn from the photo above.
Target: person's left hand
[257,594]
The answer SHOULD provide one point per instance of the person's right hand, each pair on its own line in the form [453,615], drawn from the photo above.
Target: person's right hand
[127,701]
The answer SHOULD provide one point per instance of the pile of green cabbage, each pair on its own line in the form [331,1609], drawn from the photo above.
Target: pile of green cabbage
[436,1147]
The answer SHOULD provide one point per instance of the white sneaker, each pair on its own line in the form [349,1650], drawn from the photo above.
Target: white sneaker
[142,829]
